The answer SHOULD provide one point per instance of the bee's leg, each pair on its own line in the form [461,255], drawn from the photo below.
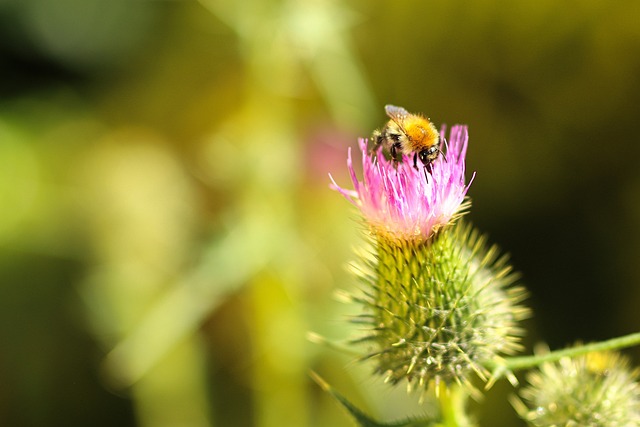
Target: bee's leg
[393,150]
[429,168]
[376,140]
[374,156]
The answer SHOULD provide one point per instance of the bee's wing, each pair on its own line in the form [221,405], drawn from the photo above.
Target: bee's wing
[397,114]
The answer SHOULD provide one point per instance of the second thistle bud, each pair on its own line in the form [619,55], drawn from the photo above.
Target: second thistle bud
[596,389]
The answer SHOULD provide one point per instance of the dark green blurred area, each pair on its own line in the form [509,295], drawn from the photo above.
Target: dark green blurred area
[167,235]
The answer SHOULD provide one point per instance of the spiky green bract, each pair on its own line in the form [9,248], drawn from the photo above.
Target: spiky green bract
[364,420]
[597,389]
[437,310]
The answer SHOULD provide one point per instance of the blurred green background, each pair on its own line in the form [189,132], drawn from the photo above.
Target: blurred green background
[167,235]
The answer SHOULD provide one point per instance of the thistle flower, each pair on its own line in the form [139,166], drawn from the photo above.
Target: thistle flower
[438,302]
[399,202]
[597,389]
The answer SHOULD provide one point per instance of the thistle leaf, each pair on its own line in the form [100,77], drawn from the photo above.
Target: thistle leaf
[364,420]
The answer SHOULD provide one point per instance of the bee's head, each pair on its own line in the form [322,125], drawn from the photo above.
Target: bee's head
[428,155]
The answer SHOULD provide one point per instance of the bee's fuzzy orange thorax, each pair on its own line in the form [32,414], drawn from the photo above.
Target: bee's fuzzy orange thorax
[420,132]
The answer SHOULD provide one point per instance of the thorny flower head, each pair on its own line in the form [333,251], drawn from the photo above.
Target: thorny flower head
[439,303]
[398,201]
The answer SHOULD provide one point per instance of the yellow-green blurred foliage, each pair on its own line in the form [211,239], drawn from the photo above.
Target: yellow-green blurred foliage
[167,235]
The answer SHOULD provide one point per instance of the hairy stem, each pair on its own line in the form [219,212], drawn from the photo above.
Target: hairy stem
[511,364]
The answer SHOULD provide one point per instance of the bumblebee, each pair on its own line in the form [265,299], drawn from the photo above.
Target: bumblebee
[411,135]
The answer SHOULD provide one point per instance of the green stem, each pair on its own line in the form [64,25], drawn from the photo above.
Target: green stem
[452,402]
[511,364]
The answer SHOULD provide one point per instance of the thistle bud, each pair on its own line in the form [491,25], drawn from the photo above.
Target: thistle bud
[597,389]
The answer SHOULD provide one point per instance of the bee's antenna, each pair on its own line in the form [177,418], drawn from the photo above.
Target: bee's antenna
[425,174]
[444,156]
